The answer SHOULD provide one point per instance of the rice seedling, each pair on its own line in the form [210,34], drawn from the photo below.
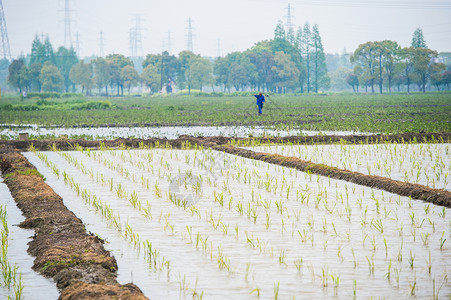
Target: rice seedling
[276,290]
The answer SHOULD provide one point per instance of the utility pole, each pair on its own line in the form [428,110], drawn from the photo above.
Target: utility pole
[77,44]
[189,43]
[161,71]
[169,42]
[5,51]
[67,31]
[101,44]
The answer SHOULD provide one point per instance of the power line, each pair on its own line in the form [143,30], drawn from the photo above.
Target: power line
[5,51]
[410,4]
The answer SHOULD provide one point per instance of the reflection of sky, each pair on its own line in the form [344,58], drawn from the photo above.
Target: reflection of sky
[238,24]
[17,254]
[161,132]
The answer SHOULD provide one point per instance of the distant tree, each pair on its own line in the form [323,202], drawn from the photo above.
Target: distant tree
[299,45]
[41,52]
[51,78]
[436,74]
[364,56]
[407,60]
[129,76]
[200,72]
[242,72]
[418,39]
[338,79]
[446,78]
[353,81]
[286,72]
[390,60]
[170,68]
[221,72]
[116,63]
[183,76]
[307,53]
[279,32]
[35,71]
[422,59]
[101,72]
[81,74]
[64,60]
[237,76]
[262,57]
[320,78]
[16,71]
[150,77]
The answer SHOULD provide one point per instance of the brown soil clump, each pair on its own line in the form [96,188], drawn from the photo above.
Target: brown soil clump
[184,140]
[416,191]
[76,260]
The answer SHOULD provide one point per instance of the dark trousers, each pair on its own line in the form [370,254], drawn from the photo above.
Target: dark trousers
[260,106]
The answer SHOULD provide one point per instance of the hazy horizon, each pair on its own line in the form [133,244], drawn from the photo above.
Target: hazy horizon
[238,25]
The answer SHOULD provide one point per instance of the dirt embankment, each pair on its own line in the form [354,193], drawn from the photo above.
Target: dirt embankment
[62,248]
[416,191]
[182,141]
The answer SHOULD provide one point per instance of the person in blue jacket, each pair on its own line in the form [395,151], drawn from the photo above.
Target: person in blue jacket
[260,100]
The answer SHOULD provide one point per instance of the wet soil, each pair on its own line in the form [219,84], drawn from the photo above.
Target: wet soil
[63,250]
[188,141]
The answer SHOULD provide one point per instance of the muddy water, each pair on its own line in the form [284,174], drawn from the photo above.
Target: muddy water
[318,230]
[426,164]
[170,132]
[35,285]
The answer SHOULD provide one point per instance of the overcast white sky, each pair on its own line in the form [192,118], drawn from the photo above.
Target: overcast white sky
[238,24]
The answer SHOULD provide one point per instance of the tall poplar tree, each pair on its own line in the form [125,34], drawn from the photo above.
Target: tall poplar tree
[319,72]
[307,49]
[418,40]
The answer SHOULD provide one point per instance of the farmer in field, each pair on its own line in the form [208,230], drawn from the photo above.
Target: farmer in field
[260,100]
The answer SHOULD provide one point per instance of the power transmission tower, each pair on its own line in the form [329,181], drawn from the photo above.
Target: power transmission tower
[169,42]
[189,43]
[131,42]
[135,40]
[67,22]
[5,51]
[77,44]
[101,44]
[289,18]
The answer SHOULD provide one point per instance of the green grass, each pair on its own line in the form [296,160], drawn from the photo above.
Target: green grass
[365,113]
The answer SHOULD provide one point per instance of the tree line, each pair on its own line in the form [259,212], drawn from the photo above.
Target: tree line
[386,64]
[292,61]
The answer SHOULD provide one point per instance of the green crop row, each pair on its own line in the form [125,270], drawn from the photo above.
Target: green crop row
[363,113]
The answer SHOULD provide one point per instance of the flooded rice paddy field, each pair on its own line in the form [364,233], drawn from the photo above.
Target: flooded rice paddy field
[34,286]
[426,164]
[200,223]
[169,132]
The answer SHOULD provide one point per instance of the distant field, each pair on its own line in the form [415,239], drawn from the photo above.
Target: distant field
[364,113]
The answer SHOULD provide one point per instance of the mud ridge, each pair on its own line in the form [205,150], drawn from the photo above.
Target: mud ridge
[63,250]
[416,191]
[185,141]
